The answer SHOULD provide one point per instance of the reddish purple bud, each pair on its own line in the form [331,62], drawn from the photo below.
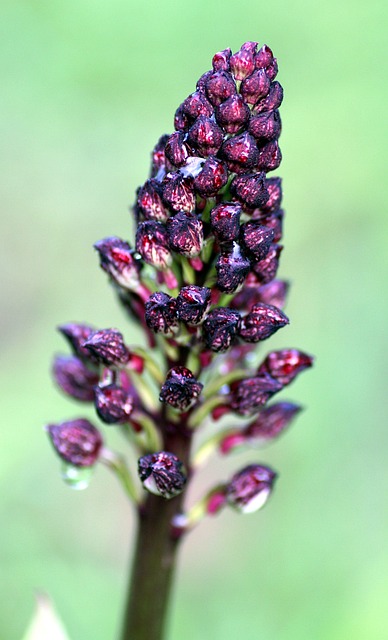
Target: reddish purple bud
[274,293]
[256,239]
[270,102]
[250,394]
[265,126]
[221,60]
[197,105]
[201,84]
[233,114]
[250,189]
[162,474]
[272,70]
[150,203]
[262,322]
[272,221]
[76,334]
[255,87]
[185,234]
[220,329]
[285,365]
[264,57]
[231,441]
[181,389]
[193,303]
[206,136]
[219,87]
[152,244]
[176,151]
[74,377]
[271,422]
[77,442]
[181,120]
[158,159]
[250,488]
[113,404]
[232,268]
[213,176]
[266,269]
[242,63]
[241,152]
[118,260]
[107,345]
[178,192]
[274,186]
[161,313]
[225,221]
[270,156]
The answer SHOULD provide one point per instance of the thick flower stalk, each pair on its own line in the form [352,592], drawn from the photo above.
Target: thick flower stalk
[200,279]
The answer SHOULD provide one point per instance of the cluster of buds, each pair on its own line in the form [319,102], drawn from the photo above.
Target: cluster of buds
[200,280]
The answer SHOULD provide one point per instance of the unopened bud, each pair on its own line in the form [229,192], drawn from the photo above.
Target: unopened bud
[250,189]
[274,187]
[193,302]
[152,244]
[206,136]
[107,346]
[225,221]
[176,150]
[158,159]
[255,87]
[181,389]
[212,177]
[197,105]
[256,239]
[118,260]
[181,120]
[75,378]
[242,63]
[270,156]
[220,329]
[219,87]
[270,102]
[240,152]
[265,126]
[262,322]
[221,60]
[185,234]
[162,474]
[77,442]
[286,364]
[178,192]
[113,404]
[271,422]
[232,268]
[264,57]
[76,334]
[266,269]
[161,313]
[233,114]
[250,394]
[250,488]
[149,201]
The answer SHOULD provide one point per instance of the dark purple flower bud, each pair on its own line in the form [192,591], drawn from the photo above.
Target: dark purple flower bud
[178,192]
[113,404]
[193,303]
[107,345]
[255,87]
[162,474]
[74,377]
[221,60]
[250,394]
[150,203]
[76,334]
[285,365]
[233,114]
[220,329]
[197,105]
[266,269]
[161,313]
[181,120]
[181,389]
[176,151]
[270,156]
[274,293]
[272,221]
[250,189]
[270,102]
[271,422]
[264,57]
[219,87]
[77,442]
[213,176]
[262,322]
[158,159]
[272,69]
[240,152]
[265,126]
[206,136]
[201,84]
[152,244]
[250,488]
[274,186]
[232,268]
[225,221]
[242,63]
[185,234]
[256,239]
[118,260]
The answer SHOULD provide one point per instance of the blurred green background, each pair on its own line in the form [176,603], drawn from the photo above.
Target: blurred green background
[87,87]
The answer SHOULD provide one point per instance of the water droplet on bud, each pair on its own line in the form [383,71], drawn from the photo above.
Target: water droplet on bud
[77,478]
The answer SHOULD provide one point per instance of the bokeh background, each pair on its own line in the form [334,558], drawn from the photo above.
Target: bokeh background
[87,87]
